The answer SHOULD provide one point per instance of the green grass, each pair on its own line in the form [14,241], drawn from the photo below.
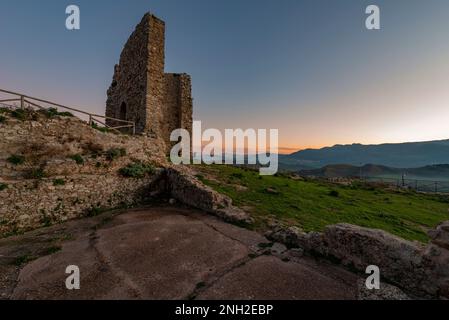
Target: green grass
[312,204]
[136,170]
[101,129]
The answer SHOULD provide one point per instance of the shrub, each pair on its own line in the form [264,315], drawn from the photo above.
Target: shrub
[94,211]
[52,250]
[36,173]
[237,175]
[77,158]
[136,170]
[66,114]
[53,112]
[58,182]
[45,219]
[334,193]
[115,153]
[19,114]
[16,159]
[2,119]
[3,186]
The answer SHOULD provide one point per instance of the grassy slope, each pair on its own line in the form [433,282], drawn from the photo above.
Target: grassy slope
[313,205]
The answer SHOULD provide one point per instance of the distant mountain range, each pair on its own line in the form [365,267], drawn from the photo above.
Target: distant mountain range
[434,172]
[392,155]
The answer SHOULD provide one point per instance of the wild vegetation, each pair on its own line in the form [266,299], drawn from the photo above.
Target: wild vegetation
[314,204]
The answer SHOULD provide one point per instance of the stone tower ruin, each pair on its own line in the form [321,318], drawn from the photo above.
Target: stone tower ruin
[156,102]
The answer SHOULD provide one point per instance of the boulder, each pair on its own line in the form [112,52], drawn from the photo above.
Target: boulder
[440,236]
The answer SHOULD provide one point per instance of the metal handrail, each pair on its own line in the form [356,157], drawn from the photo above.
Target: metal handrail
[23,99]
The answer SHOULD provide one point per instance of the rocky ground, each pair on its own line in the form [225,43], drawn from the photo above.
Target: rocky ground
[164,253]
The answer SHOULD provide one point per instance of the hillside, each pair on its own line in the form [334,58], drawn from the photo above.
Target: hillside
[312,205]
[396,155]
[54,167]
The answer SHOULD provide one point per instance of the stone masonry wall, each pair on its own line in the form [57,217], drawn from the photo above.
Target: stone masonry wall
[27,205]
[127,95]
[155,90]
[140,91]
[177,112]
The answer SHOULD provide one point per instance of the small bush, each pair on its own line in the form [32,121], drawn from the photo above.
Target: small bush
[77,158]
[45,219]
[52,250]
[16,159]
[3,186]
[334,193]
[136,170]
[36,173]
[94,211]
[115,153]
[22,260]
[19,114]
[58,182]
[237,175]
[2,119]
[53,112]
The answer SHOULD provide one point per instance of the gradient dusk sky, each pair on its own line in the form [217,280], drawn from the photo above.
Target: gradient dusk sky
[308,68]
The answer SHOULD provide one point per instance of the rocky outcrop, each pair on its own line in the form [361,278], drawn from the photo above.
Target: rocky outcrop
[186,188]
[437,259]
[419,270]
[56,169]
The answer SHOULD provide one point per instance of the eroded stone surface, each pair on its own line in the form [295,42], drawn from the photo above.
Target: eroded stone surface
[422,271]
[171,253]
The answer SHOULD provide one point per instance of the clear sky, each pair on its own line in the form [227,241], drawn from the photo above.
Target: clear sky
[306,67]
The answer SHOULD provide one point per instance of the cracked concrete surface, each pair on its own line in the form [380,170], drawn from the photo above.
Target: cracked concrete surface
[163,253]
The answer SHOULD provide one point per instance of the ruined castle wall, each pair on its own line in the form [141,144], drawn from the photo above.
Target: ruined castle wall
[186,102]
[171,119]
[155,90]
[177,112]
[157,102]
[137,87]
